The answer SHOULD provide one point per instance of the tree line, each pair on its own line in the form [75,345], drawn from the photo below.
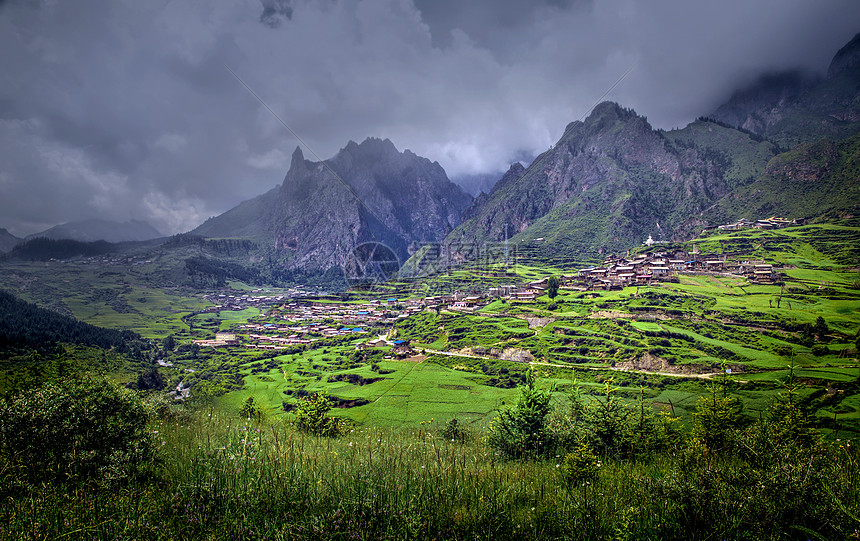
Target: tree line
[25,325]
[43,249]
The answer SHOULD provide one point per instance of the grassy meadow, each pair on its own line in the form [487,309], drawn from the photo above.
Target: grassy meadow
[225,477]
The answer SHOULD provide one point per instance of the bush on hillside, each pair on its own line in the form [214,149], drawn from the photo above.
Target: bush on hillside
[312,416]
[86,430]
[251,410]
[520,430]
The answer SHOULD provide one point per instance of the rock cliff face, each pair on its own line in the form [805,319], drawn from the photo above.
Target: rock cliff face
[367,192]
[847,58]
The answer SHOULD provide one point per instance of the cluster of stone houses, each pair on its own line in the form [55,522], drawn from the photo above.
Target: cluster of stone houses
[375,312]
[768,223]
[400,348]
[650,269]
[313,321]
[618,272]
[222,339]
[240,302]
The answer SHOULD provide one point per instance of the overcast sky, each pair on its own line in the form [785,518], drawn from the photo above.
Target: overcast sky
[123,109]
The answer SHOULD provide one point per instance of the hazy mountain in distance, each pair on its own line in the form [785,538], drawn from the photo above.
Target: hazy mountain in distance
[8,240]
[251,219]
[96,229]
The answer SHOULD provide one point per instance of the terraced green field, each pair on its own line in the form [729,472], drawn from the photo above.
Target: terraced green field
[668,344]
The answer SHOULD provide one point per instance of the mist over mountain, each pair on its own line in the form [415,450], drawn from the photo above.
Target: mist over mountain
[478,183]
[612,180]
[791,108]
[96,229]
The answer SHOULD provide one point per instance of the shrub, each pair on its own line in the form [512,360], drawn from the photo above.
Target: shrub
[84,430]
[454,432]
[251,410]
[821,329]
[520,430]
[552,287]
[716,420]
[784,351]
[581,466]
[312,416]
[820,349]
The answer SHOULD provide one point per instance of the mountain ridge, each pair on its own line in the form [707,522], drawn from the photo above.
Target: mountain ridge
[610,179]
[8,240]
[96,229]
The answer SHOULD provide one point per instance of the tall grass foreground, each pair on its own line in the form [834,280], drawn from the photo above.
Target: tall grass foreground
[224,477]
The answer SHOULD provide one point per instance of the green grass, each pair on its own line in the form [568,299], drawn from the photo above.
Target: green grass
[646,326]
[225,477]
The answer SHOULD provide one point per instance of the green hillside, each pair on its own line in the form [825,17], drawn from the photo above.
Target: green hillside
[811,181]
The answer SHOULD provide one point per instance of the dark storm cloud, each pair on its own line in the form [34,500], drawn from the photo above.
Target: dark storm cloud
[275,11]
[124,109]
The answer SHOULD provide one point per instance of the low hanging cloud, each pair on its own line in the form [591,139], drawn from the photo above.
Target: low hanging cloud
[124,109]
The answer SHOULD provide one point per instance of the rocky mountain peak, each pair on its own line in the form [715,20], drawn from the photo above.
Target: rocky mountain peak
[512,175]
[298,159]
[376,194]
[609,110]
[372,146]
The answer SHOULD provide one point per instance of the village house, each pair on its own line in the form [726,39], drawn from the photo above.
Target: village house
[643,279]
[584,273]
[524,295]
[401,347]
[502,291]
[763,272]
[743,223]
[678,265]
